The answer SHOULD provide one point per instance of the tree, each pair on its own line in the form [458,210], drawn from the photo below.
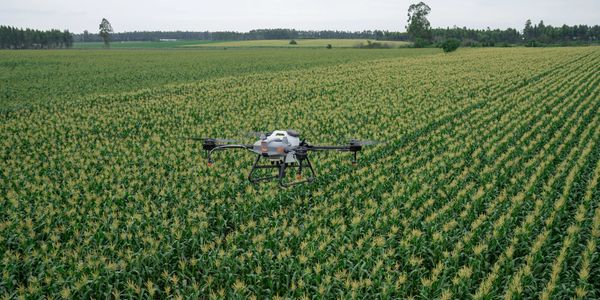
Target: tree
[542,36]
[450,45]
[86,36]
[67,39]
[105,31]
[419,28]
[528,30]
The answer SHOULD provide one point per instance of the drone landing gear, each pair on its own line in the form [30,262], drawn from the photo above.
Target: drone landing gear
[281,171]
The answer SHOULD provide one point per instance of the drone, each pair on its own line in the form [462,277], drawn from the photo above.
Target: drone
[280,150]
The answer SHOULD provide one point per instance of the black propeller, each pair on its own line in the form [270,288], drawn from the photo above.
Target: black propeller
[203,139]
[211,143]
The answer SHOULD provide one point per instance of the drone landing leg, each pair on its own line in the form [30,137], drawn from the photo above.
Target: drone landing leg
[303,164]
[281,171]
[257,166]
[312,171]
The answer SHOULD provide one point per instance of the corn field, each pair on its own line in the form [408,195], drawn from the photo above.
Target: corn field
[487,186]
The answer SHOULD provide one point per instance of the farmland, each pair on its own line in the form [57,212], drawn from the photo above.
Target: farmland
[487,187]
[30,77]
[139,44]
[301,43]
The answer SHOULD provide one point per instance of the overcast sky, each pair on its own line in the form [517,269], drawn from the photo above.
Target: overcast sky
[244,15]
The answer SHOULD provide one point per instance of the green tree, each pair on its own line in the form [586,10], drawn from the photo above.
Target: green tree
[105,31]
[419,28]
[528,32]
[450,45]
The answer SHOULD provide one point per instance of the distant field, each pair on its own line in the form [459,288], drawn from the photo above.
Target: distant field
[301,43]
[33,76]
[312,43]
[139,45]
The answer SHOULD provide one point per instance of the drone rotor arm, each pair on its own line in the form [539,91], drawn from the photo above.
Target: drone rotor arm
[347,148]
[325,148]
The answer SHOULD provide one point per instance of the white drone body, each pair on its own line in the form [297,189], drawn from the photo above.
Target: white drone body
[276,146]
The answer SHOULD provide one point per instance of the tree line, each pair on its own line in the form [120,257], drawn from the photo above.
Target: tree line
[544,34]
[257,34]
[18,38]
[533,35]
[418,31]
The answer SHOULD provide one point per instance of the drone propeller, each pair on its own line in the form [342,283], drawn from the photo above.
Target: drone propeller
[364,143]
[356,145]
[203,139]
[255,134]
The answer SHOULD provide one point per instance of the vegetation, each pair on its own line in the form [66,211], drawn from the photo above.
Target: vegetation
[293,42]
[309,43]
[563,35]
[538,34]
[373,45]
[14,38]
[141,44]
[418,28]
[260,34]
[105,31]
[488,185]
[450,45]
[54,76]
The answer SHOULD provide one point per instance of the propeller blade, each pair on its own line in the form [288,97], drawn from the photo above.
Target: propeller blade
[194,138]
[365,142]
[255,134]
[226,141]
[357,142]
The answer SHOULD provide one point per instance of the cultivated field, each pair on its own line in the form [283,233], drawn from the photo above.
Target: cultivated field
[488,186]
[50,77]
[139,44]
[301,43]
